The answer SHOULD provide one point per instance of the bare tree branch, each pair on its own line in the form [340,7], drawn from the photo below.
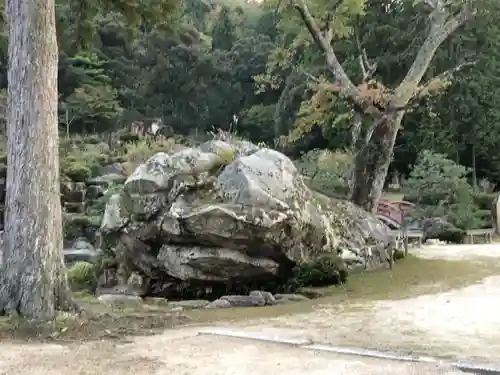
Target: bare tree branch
[367,69]
[334,87]
[433,85]
[439,82]
[443,25]
[323,40]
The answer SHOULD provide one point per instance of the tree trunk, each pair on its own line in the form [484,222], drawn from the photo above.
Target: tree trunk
[33,281]
[372,164]
[474,168]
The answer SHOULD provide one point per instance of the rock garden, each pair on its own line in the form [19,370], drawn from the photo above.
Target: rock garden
[215,224]
[169,219]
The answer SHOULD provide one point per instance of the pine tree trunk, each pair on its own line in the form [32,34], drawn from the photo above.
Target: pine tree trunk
[33,282]
[372,164]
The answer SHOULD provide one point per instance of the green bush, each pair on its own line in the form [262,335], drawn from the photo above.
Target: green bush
[76,171]
[436,180]
[82,276]
[129,137]
[439,186]
[484,200]
[322,271]
[325,171]
[227,155]
[452,235]
[99,204]
[78,225]
[92,139]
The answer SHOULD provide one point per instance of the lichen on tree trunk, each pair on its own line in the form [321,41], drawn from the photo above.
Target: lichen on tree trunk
[372,163]
[33,281]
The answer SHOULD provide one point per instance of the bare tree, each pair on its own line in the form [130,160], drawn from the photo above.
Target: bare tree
[381,107]
[33,282]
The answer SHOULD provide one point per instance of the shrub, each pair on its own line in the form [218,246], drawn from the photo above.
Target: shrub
[326,170]
[77,171]
[82,276]
[227,155]
[92,139]
[142,150]
[435,179]
[77,225]
[440,187]
[322,271]
[129,137]
[452,235]
[484,200]
[99,204]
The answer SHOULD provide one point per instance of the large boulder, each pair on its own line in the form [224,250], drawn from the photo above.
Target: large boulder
[226,213]
[363,238]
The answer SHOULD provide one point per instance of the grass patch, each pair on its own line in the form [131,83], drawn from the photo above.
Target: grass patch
[410,277]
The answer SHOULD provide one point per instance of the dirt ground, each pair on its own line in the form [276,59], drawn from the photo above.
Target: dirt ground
[184,353]
[460,323]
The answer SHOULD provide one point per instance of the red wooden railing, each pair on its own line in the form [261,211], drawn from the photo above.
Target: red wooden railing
[393,213]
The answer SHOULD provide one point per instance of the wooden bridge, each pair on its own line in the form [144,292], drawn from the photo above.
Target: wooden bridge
[393,213]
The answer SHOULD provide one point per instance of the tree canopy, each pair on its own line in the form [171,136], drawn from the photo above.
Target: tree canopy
[196,63]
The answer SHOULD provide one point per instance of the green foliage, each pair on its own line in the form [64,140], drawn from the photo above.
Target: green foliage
[257,122]
[195,63]
[322,271]
[484,200]
[227,155]
[129,137]
[99,205]
[76,225]
[326,170]
[435,180]
[223,35]
[81,276]
[452,235]
[82,162]
[440,186]
[93,104]
[77,171]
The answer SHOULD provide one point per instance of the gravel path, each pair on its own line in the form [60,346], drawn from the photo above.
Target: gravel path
[463,323]
[183,353]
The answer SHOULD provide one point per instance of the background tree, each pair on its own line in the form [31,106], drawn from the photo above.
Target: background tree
[33,282]
[223,35]
[379,109]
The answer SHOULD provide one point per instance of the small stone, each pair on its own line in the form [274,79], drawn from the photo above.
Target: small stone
[219,304]
[157,301]
[245,301]
[177,309]
[268,297]
[136,285]
[190,304]
[122,300]
[291,297]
